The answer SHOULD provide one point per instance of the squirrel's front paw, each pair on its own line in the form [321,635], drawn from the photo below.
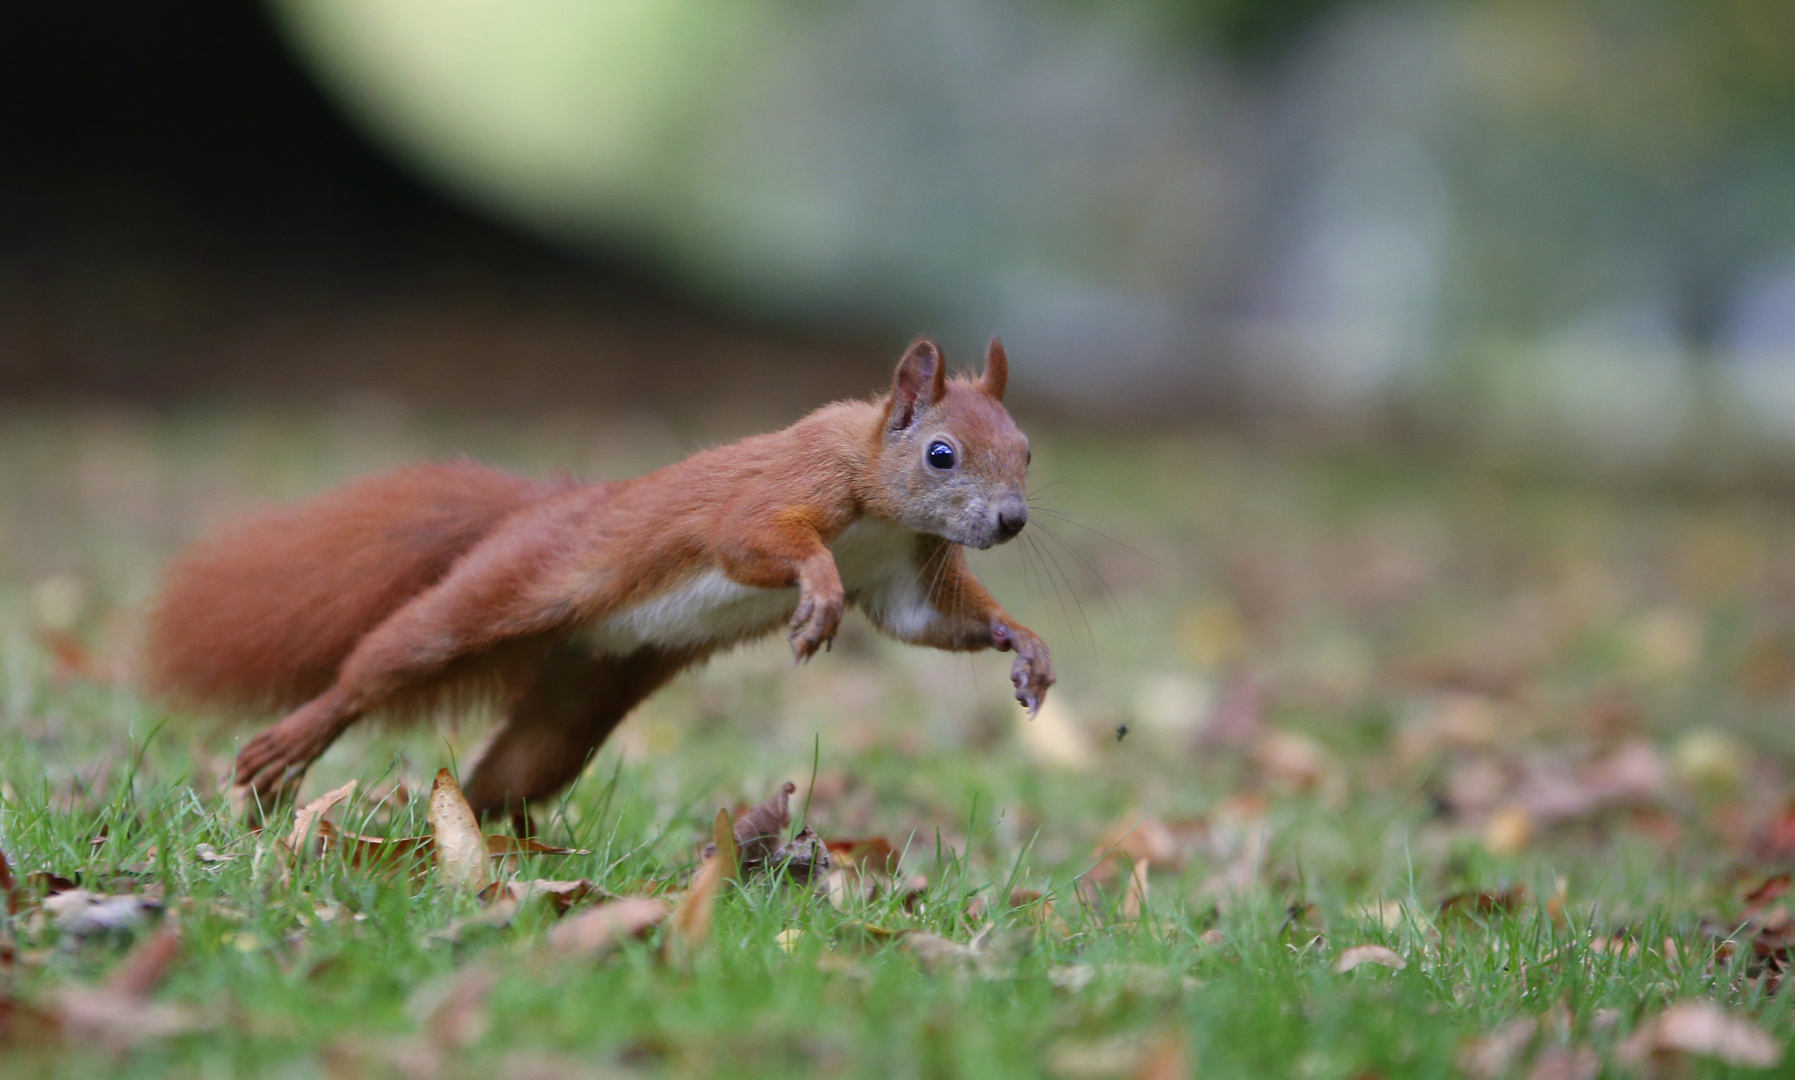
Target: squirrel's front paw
[814,625]
[1032,673]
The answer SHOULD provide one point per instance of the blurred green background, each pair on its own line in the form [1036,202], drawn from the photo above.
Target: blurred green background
[1558,229]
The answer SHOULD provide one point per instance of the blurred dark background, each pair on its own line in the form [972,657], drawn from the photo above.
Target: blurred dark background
[184,216]
[1508,224]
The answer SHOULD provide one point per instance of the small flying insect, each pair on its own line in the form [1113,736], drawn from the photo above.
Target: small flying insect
[1121,732]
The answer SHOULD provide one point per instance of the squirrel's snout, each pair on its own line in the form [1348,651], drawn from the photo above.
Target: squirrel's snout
[1011,517]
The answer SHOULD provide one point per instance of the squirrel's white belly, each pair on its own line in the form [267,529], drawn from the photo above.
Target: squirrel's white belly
[706,608]
[878,568]
[878,571]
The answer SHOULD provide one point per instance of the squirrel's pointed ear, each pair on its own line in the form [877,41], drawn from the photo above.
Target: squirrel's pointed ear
[997,370]
[921,380]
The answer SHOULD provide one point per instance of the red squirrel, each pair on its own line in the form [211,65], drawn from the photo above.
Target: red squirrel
[572,603]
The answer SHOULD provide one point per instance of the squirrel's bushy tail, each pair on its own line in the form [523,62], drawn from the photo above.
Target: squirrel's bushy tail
[262,614]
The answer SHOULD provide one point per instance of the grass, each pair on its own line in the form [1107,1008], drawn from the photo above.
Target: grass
[1354,688]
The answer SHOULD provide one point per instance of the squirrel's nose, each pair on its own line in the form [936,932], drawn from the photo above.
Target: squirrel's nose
[1011,517]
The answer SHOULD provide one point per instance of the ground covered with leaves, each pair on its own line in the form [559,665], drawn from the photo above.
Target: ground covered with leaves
[1359,766]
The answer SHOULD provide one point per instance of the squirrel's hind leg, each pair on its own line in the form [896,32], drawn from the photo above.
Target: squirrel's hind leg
[556,720]
[270,765]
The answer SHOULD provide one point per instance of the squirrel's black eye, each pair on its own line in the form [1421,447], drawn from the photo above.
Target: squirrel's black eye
[941,455]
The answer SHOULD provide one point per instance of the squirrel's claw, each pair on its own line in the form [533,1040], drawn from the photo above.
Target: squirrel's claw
[813,626]
[1032,673]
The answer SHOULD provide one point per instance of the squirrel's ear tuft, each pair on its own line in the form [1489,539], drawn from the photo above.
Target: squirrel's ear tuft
[997,370]
[921,381]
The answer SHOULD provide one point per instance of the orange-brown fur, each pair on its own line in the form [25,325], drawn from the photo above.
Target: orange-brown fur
[576,602]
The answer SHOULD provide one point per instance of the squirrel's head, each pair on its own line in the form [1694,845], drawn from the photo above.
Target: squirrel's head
[951,461]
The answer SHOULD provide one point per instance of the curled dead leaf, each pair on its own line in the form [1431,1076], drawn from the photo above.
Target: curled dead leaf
[303,837]
[759,829]
[460,847]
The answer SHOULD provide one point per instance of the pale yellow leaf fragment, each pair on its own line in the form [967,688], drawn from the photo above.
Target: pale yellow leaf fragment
[1053,737]
[1369,954]
[460,847]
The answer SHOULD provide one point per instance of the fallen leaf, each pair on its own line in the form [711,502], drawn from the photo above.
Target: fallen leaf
[560,895]
[1492,1056]
[460,848]
[1168,1060]
[1766,894]
[144,968]
[690,923]
[1369,954]
[306,822]
[119,1013]
[454,1014]
[593,933]
[1119,1057]
[47,883]
[1566,1063]
[1134,901]
[1053,736]
[936,951]
[870,856]
[803,858]
[1471,902]
[9,886]
[758,830]
[84,914]
[1509,831]
[1700,1028]
[500,845]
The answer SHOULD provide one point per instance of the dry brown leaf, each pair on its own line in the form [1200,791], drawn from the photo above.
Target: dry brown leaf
[460,846]
[690,923]
[758,831]
[1766,894]
[1369,954]
[9,886]
[1471,902]
[499,846]
[306,822]
[145,966]
[560,895]
[873,855]
[1699,1028]
[592,934]
[119,1013]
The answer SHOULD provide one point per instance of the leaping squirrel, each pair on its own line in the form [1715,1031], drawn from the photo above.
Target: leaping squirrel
[572,603]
